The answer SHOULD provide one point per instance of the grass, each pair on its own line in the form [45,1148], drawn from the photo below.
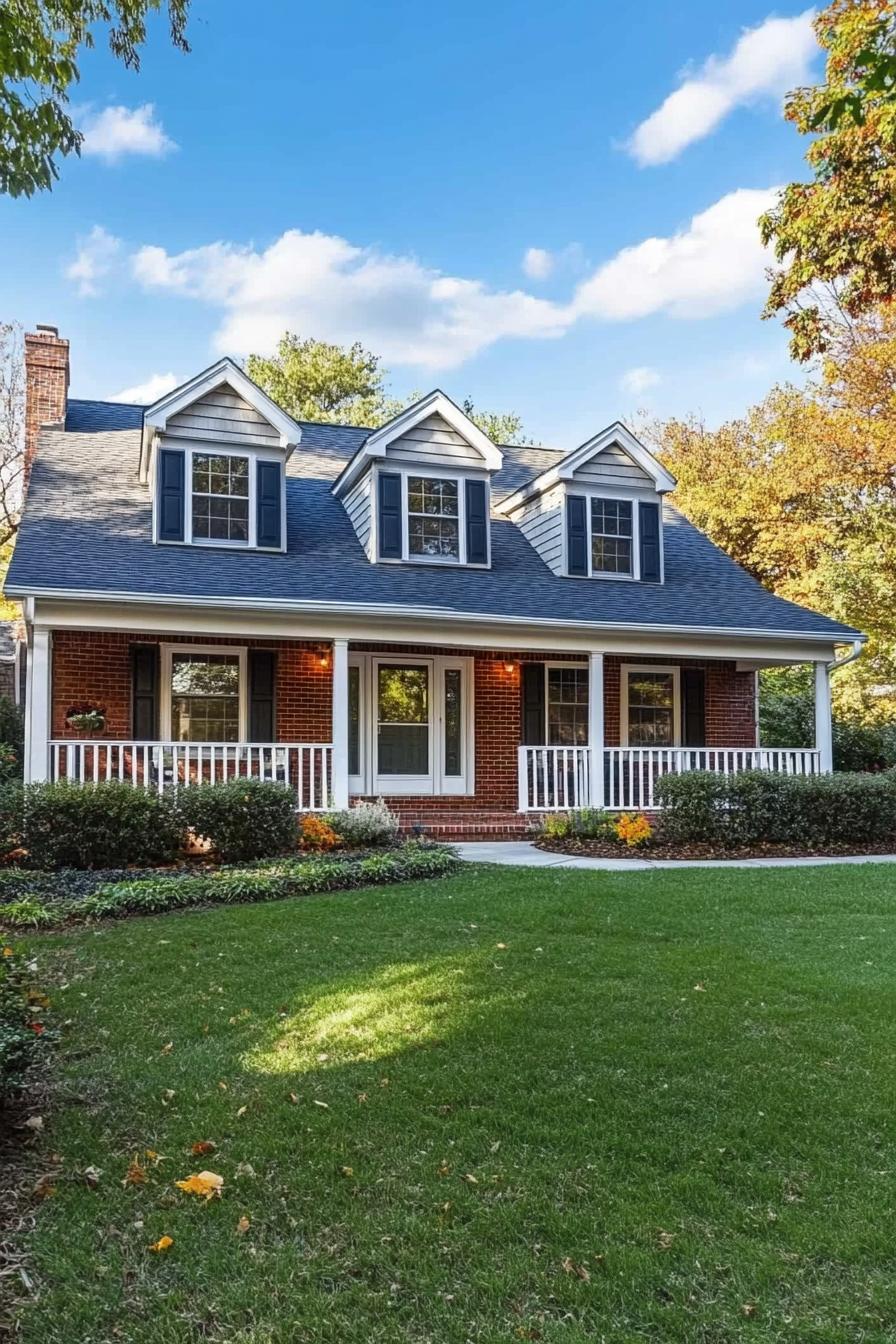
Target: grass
[678,1084]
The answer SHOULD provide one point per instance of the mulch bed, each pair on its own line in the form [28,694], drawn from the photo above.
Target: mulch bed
[605,849]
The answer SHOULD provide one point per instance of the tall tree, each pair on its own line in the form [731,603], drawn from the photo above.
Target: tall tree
[40,42]
[346,385]
[839,230]
[12,445]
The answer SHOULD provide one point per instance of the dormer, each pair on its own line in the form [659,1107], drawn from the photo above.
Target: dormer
[214,453]
[418,490]
[597,513]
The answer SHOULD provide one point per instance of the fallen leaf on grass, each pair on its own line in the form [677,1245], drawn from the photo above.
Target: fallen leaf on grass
[569,1266]
[167,1095]
[91,1176]
[207,1184]
[167,1048]
[242,1111]
[347,1171]
[44,1187]
[162,1244]
[243,1225]
[294,1098]
[665,1240]
[135,1174]
[202,1147]
[322,1104]
[748,1309]
[362,1097]
[470,1179]
[245,1169]
[34,1122]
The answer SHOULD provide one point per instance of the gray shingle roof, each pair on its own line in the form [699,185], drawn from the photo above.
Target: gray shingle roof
[87,528]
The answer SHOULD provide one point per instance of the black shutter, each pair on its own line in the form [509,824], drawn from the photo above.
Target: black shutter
[576,535]
[477,523]
[693,707]
[268,505]
[389,516]
[145,692]
[532,694]
[649,527]
[171,495]
[262,695]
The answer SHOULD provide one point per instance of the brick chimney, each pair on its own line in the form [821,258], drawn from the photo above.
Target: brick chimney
[46,386]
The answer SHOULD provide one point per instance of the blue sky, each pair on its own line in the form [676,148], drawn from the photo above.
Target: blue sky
[470,190]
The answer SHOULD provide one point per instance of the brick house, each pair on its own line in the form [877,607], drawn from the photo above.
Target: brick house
[476,632]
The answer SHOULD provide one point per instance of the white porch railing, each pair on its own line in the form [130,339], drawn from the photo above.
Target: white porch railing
[307,767]
[556,779]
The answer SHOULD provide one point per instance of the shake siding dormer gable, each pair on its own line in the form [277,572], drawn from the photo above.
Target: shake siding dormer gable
[597,511]
[213,453]
[418,490]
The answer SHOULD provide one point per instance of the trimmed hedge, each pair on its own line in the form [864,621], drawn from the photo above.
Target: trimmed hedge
[242,819]
[229,886]
[761,807]
[67,825]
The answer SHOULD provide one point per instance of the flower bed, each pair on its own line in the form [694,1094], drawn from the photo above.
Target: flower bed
[42,900]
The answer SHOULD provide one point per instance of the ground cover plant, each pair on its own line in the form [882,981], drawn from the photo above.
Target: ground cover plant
[513,1105]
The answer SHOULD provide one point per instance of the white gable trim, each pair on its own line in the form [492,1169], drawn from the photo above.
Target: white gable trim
[436,403]
[567,467]
[156,417]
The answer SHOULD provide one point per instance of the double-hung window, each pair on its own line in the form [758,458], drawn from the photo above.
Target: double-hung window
[566,703]
[612,537]
[433,518]
[650,705]
[203,694]
[220,498]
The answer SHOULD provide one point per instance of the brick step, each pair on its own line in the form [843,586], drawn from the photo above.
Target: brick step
[466,825]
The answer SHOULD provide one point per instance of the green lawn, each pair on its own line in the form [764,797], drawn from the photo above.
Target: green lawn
[529,1105]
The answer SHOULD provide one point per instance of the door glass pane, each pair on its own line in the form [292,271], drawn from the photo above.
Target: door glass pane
[354,720]
[567,706]
[402,720]
[453,719]
[205,697]
[651,709]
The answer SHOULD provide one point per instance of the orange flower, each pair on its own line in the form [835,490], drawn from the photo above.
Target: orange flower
[316,834]
[633,830]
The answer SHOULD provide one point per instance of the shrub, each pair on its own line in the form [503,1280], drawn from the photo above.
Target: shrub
[787,719]
[23,1033]
[365,826]
[12,739]
[11,817]
[242,819]
[97,826]
[555,826]
[633,829]
[756,807]
[318,834]
[27,913]
[592,823]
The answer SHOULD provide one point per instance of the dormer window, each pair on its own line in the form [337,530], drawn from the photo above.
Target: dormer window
[220,498]
[612,537]
[433,518]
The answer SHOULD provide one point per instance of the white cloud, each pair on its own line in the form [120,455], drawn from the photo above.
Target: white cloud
[538,263]
[766,61]
[117,131]
[95,257]
[639,380]
[710,267]
[144,394]
[319,284]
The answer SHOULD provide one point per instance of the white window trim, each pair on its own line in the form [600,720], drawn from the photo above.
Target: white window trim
[433,473]
[624,671]
[633,497]
[635,574]
[436,783]
[580,666]
[253,455]
[167,652]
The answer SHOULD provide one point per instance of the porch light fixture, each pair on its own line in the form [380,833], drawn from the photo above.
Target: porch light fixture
[510,668]
[325,659]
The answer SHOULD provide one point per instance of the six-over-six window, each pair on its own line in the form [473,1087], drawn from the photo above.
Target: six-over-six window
[433,518]
[220,505]
[612,550]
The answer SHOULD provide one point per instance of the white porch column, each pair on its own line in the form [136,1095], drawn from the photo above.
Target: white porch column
[824,741]
[339,731]
[37,722]
[596,728]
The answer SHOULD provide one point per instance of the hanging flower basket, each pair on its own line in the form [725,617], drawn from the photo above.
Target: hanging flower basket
[86,718]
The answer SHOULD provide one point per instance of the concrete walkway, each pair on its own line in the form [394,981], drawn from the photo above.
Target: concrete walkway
[523,854]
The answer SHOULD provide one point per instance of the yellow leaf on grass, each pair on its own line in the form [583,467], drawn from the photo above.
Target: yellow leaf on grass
[162,1244]
[242,1110]
[166,1049]
[206,1183]
[347,1171]
[569,1266]
[243,1225]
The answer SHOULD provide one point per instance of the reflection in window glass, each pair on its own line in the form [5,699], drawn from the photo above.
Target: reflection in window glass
[567,705]
[205,697]
[453,720]
[651,709]
[433,518]
[220,497]
[611,536]
[402,720]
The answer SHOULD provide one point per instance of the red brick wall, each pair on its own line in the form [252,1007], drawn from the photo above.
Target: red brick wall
[96,667]
[88,665]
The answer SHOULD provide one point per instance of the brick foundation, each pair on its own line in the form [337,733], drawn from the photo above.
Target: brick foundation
[96,666]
